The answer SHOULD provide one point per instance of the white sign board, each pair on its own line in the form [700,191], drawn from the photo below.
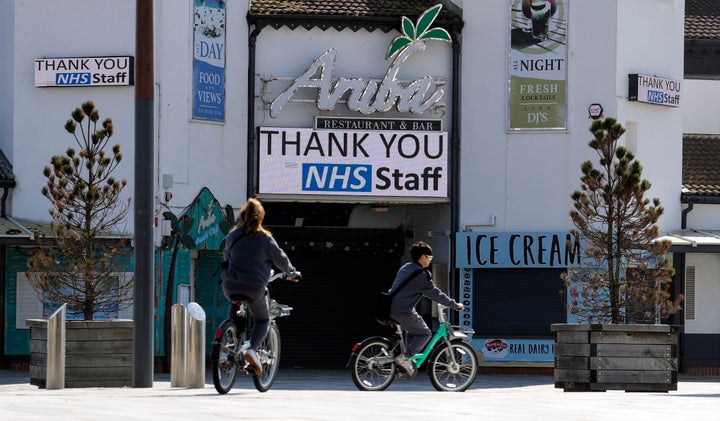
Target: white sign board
[654,90]
[389,164]
[85,71]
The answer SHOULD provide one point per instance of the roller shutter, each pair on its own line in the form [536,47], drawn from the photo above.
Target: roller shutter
[517,302]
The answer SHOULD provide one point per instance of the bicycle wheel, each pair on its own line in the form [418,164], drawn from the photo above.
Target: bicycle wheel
[449,376]
[372,367]
[269,354]
[223,356]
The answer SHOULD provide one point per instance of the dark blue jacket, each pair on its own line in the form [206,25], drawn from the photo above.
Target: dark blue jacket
[250,259]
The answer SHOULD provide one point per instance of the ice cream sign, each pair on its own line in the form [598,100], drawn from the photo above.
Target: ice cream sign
[367,96]
[654,90]
[85,71]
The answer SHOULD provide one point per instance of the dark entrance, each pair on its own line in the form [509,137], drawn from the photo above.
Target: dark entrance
[343,271]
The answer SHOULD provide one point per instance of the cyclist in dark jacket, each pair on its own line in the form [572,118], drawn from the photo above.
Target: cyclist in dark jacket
[403,305]
[251,251]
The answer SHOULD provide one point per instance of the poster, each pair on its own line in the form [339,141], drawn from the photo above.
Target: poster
[209,60]
[538,65]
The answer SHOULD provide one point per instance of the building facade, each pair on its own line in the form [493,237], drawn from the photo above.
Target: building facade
[360,137]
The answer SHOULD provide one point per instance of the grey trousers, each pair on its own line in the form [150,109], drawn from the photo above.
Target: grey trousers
[259,310]
[417,331]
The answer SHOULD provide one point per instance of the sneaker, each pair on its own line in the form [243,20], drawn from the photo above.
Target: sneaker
[252,359]
[405,363]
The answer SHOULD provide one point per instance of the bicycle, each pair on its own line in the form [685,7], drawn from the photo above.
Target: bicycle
[451,362]
[231,342]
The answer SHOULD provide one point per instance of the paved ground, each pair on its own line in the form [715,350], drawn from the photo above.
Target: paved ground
[330,395]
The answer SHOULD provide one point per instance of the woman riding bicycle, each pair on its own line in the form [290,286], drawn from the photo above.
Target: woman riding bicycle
[403,304]
[250,251]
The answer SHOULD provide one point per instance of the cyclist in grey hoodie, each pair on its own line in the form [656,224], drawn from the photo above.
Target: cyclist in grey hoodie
[250,251]
[403,305]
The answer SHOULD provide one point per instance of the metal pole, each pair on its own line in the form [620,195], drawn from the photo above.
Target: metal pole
[196,346]
[179,360]
[144,185]
[55,378]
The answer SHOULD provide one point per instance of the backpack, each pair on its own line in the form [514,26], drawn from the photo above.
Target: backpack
[384,302]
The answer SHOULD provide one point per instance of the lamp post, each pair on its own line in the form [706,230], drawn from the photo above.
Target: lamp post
[144,186]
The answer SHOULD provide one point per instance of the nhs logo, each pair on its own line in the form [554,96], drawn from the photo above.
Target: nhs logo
[72,79]
[656,97]
[336,177]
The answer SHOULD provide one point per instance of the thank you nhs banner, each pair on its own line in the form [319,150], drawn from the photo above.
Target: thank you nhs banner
[397,164]
[209,60]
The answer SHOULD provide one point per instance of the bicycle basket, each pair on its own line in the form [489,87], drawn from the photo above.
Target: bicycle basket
[279,310]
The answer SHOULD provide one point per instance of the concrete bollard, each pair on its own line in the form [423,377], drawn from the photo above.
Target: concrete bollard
[55,367]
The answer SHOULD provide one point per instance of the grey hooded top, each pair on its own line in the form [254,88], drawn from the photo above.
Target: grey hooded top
[422,286]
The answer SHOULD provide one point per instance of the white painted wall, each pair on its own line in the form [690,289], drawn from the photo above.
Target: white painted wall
[523,179]
[526,179]
[701,108]
[199,153]
[707,293]
[651,41]
[704,217]
[72,28]
[7,36]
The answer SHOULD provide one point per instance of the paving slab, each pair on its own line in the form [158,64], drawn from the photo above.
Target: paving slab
[330,395]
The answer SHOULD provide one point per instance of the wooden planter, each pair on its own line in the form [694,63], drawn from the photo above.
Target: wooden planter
[634,358]
[98,353]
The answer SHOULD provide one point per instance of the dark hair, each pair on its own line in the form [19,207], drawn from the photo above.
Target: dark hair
[251,217]
[420,249]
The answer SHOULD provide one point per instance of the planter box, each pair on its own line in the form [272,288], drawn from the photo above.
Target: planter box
[98,353]
[634,358]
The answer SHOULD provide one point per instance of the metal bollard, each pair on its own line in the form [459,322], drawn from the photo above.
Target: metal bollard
[196,346]
[179,339]
[55,376]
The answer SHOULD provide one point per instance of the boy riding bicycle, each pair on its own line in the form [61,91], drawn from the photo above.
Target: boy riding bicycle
[403,304]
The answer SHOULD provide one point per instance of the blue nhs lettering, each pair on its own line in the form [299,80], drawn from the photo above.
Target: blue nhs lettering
[656,97]
[72,79]
[336,177]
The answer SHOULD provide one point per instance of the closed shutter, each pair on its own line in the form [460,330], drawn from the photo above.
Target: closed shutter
[517,302]
[343,272]
[332,307]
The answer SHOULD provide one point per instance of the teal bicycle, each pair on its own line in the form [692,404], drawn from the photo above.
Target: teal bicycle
[451,362]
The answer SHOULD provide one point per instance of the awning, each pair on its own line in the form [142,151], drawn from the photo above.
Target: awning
[13,232]
[24,232]
[693,241]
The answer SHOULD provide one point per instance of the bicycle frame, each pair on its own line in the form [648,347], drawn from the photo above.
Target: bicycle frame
[232,342]
[445,333]
[451,361]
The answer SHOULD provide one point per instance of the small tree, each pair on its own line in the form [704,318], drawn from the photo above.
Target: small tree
[624,274]
[79,264]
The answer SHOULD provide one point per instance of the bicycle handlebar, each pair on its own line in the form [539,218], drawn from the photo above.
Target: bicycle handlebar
[294,276]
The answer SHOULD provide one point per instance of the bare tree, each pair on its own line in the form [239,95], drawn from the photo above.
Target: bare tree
[625,274]
[80,262]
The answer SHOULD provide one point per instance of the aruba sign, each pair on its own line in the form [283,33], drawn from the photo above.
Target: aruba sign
[366,95]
